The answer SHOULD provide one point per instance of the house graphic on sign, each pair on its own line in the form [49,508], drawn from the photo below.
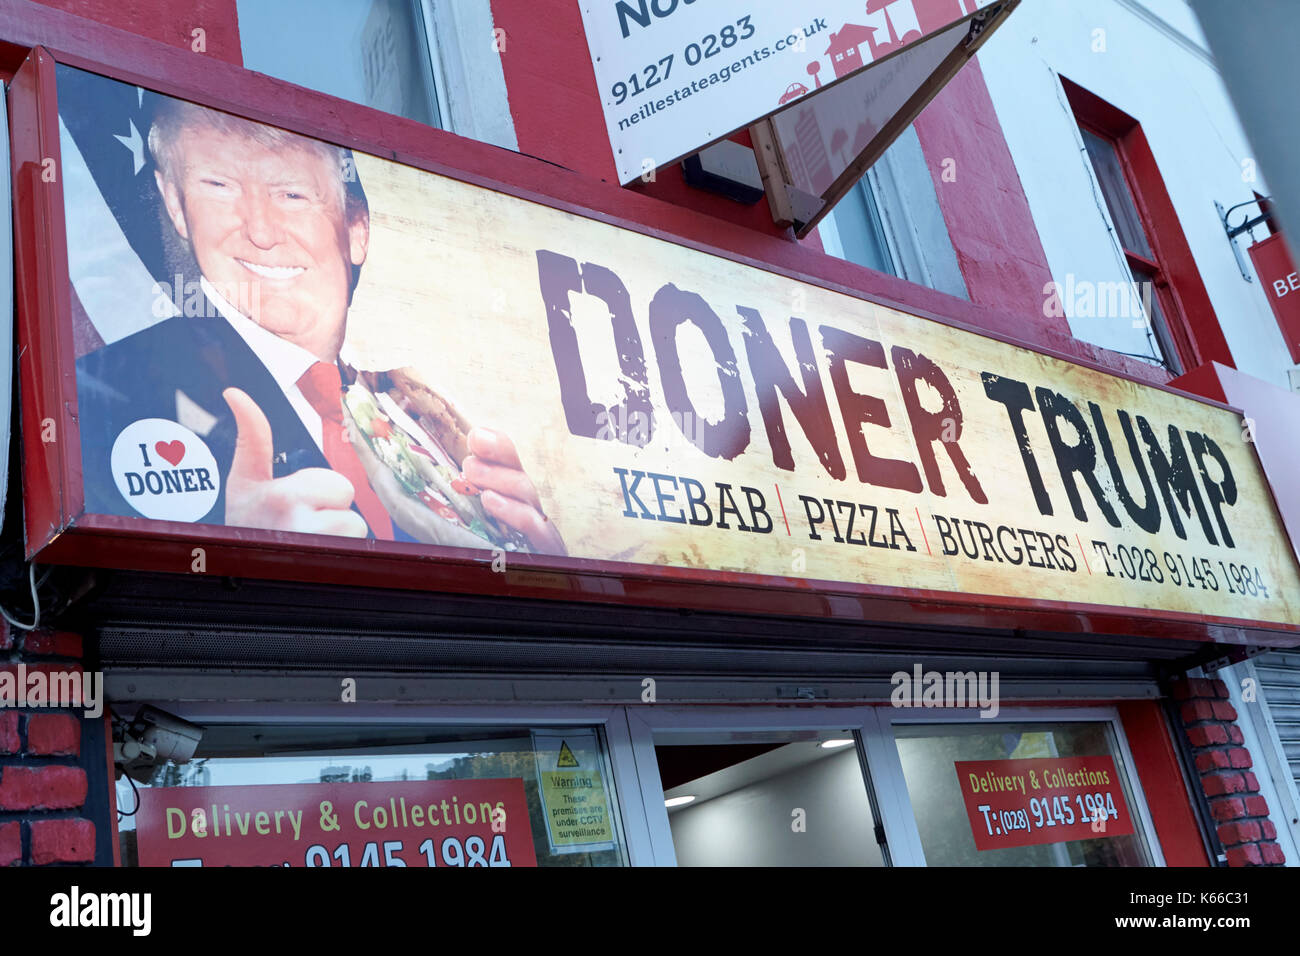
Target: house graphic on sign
[915,18]
[879,49]
[844,52]
[898,23]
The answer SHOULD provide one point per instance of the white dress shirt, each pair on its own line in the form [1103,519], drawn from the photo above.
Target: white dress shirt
[285,361]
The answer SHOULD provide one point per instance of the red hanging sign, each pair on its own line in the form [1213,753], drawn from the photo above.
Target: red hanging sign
[1281,281]
[1042,800]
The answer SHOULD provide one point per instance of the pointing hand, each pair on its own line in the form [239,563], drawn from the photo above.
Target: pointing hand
[311,500]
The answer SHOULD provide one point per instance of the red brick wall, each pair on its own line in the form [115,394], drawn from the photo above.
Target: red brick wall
[1240,812]
[46,770]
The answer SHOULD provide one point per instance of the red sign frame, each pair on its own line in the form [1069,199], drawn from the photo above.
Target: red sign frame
[58,530]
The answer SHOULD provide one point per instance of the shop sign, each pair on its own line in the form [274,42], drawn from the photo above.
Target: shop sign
[1042,800]
[420,823]
[516,379]
[1281,281]
[574,801]
[677,75]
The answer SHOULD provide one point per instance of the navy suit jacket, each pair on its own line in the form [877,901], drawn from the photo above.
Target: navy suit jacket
[153,374]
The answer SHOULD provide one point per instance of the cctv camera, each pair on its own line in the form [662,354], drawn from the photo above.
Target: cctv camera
[153,737]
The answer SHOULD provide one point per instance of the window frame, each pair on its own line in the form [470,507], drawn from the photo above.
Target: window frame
[462,86]
[609,720]
[1190,324]
[467,93]
[1107,714]
[1162,329]
[873,725]
[833,240]
[629,739]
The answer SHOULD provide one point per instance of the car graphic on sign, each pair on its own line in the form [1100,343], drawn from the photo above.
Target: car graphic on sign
[793,91]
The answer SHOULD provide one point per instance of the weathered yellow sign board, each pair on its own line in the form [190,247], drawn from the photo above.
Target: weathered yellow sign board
[677,408]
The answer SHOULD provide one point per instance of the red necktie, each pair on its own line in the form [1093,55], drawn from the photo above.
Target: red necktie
[322,386]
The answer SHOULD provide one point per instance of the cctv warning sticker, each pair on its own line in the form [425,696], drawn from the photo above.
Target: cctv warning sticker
[164,470]
[574,800]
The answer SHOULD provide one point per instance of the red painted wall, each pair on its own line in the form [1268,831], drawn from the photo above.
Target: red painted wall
[169,21]
[556,108]
[553,97]
[988,217]
[1162,783]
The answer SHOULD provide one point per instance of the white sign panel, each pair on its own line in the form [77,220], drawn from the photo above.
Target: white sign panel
[676,75]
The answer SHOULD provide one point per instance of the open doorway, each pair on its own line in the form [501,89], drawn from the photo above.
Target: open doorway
[767,799]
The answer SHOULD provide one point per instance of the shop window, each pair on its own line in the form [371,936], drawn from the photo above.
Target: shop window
[1024,794]
[438,63]
[376,795]
[1165,316]
[890,221]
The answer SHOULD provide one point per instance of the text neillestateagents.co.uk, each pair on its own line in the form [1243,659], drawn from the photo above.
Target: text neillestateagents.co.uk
[711,45]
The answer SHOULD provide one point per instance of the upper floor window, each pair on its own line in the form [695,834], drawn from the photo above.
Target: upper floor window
[407,57]
[1158,310]
[890,221]
[1149,281]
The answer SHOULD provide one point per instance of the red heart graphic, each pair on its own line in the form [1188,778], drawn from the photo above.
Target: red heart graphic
[173,451]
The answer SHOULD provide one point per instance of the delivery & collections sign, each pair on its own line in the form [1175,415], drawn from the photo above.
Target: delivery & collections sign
[400,356]
[425,823]
[1042,800]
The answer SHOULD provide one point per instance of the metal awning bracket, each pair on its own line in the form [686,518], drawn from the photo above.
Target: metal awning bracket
[1244,227]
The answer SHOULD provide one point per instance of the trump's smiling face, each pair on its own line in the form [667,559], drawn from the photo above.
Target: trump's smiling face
[269,229]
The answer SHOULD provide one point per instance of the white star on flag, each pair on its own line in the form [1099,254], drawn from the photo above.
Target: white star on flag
[135,144]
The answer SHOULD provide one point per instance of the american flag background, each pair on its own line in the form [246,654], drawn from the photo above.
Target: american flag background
[127,257]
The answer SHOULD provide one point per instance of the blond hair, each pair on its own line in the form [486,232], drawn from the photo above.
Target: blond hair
[174,116]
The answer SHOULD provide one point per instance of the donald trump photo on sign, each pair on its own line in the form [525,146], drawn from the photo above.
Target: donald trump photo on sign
[278,226]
